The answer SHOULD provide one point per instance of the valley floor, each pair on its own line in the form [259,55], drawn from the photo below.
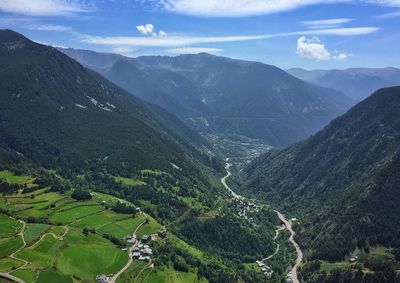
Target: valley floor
[287,224]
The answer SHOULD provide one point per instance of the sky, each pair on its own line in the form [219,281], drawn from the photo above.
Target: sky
[311,34]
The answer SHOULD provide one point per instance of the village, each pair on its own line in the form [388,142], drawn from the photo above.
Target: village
[244,209]
[139,250]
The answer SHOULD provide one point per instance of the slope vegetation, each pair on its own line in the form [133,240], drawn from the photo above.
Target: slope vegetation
[343,181]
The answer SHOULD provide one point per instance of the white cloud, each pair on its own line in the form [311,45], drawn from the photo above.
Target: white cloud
[236,8]
[389,15]
[395,3]
[42,7]
[126,51]
[313,48]
[49,27]
[340,55]
[193,50]
[243,8]
[323,24]
[172,41]
[146,29]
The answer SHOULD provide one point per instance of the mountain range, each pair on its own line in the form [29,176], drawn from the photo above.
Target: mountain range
[134,135]
[215,94]
[356,83]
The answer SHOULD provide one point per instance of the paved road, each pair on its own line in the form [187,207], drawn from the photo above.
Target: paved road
[115,277]
[280,228]
[10,277]
[223,180]
[21,234]
[288,224]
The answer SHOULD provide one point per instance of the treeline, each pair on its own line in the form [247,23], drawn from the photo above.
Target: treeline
[386,273]
[211,268]
[227,236]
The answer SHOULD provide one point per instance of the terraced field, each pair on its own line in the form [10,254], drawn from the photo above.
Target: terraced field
[59,251]
[49,237]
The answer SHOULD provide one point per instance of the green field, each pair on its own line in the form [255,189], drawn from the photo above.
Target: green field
[115,230]
[76,213]
[26,274]
[41,255]
[9,227]
[130,274]
[153,172]
[129,182]
[94,221]
[8,264]
[70,253]
[120,229]
[139,272]
[172,276]
[53,276]
[10,178]
[151,228]
[9,245]
[34,231]
[88,256]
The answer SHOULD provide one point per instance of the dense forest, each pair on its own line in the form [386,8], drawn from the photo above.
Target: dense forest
[342,182]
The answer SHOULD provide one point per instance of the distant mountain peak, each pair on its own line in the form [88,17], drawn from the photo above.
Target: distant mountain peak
[11,40]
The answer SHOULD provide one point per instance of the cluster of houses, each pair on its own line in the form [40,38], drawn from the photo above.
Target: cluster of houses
[265,269]
[242,206]
[142,252]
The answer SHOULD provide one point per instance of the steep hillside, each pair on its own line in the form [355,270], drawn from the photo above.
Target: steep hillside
[54,111]
[221,95]
[357,83]
[342,182]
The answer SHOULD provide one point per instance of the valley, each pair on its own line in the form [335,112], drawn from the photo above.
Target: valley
[292,275]
[194,168]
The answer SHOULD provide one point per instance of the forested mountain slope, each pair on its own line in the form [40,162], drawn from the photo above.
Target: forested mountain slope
[54,111]
[221,95]
[343,181]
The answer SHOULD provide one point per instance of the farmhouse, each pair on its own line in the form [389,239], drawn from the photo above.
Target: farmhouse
[146,238]
[147,251]
[163,235]
[136,255]
[260,263]
[102,278]
[353,258]
[131,239]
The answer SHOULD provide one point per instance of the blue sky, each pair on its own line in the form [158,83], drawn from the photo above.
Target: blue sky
[311,34]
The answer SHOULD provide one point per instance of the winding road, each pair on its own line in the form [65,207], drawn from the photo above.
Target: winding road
[25,263]
[292,275]
[223,180]
[280,228]
[21,234]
